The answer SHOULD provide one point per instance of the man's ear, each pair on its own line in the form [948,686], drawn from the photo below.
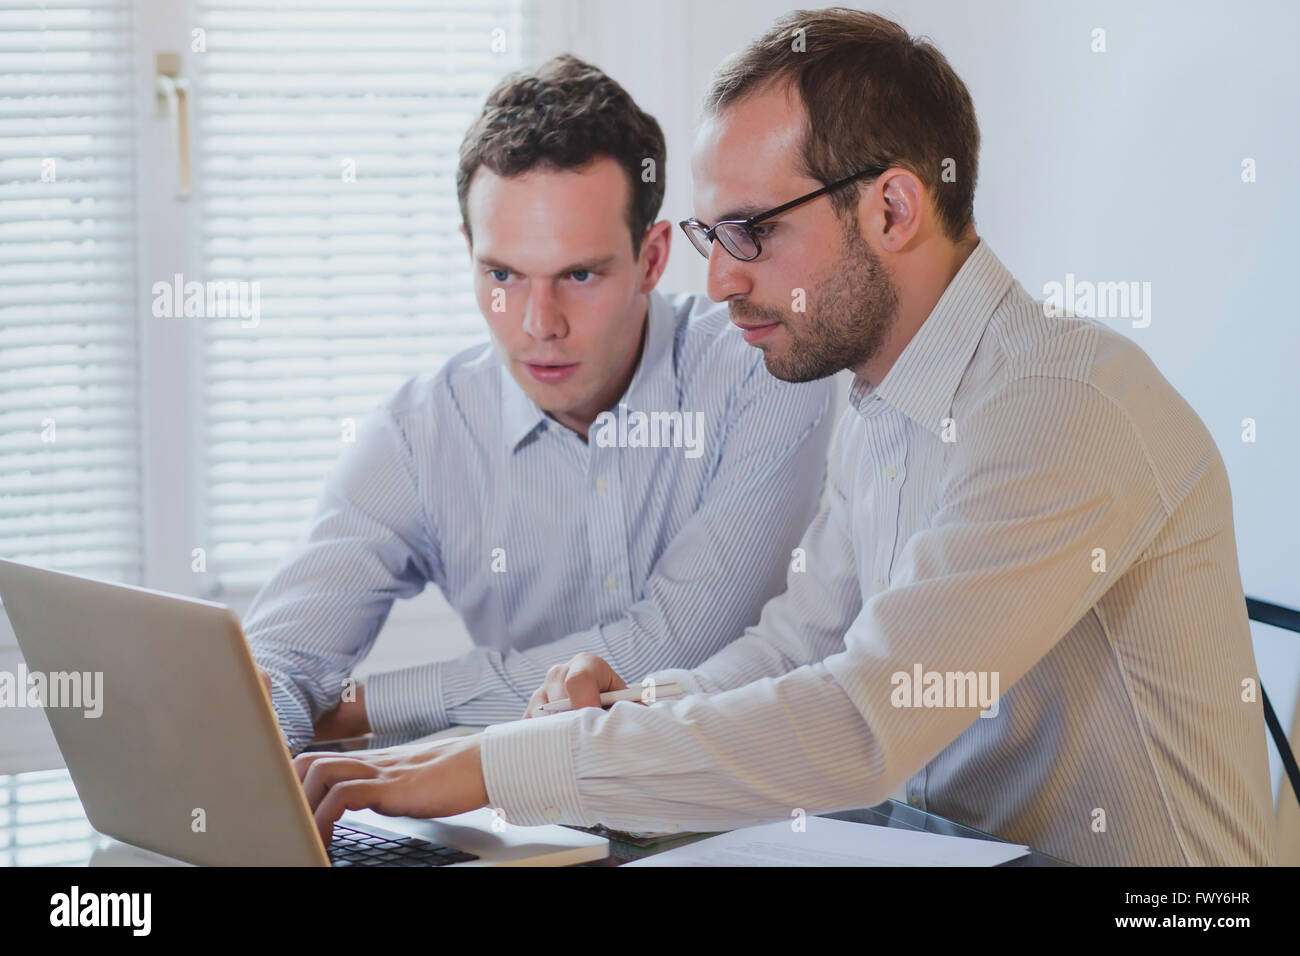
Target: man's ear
[654,253]
[890,209]
[903,200]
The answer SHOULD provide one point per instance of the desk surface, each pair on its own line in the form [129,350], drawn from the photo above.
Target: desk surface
[42,824]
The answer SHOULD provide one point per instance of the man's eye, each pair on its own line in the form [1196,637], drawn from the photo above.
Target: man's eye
[500,275]
[581,275]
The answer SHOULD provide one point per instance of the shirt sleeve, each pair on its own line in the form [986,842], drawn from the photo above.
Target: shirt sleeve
[1047,475]
[709,583]
[369,543]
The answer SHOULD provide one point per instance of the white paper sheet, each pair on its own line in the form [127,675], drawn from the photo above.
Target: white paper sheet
[826,842]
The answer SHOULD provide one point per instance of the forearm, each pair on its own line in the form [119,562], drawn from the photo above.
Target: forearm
[485,686]
[702,763]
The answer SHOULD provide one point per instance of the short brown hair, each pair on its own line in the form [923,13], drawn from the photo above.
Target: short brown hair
[874,95]
[562,116]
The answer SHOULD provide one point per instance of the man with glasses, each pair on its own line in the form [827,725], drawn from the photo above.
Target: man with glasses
[615,473]
[1022,601]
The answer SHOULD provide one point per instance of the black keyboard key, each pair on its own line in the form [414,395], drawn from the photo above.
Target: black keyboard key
[356,848]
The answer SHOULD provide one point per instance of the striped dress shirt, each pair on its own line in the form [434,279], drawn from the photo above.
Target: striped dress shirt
[546,545]
[1023,504]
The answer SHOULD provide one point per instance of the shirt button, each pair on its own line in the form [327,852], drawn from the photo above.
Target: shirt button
[601,485]
[891,471]
[671,828]
[552,813]
[881,586]
[915,801]
[611,582]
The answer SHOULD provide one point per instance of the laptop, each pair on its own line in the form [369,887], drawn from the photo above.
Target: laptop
[185,757]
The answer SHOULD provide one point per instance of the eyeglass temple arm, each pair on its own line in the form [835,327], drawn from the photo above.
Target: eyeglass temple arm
[874,170]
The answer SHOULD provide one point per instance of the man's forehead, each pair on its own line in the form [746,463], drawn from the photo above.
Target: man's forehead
[601,178]
[746,154]
[537,208]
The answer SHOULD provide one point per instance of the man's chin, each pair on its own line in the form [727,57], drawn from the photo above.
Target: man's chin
[549,398]
[780,366]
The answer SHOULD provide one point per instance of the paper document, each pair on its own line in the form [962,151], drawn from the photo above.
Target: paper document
[827,842]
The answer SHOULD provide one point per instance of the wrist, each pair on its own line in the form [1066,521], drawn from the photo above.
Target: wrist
[464,763]
[345,721]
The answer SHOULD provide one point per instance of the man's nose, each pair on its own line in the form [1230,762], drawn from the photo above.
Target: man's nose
[543,318]
[728,276]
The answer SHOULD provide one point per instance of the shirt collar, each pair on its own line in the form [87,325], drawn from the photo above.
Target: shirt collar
[652,387]
[922,382]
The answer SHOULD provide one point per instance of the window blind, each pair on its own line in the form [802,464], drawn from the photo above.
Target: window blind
[69,440]
[42,822]
[327,138]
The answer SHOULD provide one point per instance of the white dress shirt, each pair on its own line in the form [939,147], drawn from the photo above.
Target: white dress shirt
[1022,497]
[651,555]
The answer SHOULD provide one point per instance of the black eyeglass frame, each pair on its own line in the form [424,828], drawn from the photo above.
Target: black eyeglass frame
[711,234]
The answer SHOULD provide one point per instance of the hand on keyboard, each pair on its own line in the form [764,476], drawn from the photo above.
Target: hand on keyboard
[429,780]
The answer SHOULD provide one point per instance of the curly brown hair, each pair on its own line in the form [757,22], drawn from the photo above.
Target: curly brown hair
[562,116]
[874,96]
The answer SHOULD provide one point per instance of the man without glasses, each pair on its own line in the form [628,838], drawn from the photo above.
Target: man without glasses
[1012,496]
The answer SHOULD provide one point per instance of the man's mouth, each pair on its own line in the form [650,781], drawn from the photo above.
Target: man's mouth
[550,373]
[755,331]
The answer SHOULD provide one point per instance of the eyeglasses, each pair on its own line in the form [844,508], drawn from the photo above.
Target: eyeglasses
[737,235]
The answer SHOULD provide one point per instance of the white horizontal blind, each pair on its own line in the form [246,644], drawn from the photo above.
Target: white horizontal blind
[327,142]
[42,822]
[69,439]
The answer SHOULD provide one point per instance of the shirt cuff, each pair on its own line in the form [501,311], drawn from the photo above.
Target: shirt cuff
[292,713]
[406,701]
[528,770]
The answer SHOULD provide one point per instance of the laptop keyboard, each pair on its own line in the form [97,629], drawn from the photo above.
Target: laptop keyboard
[357,848]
